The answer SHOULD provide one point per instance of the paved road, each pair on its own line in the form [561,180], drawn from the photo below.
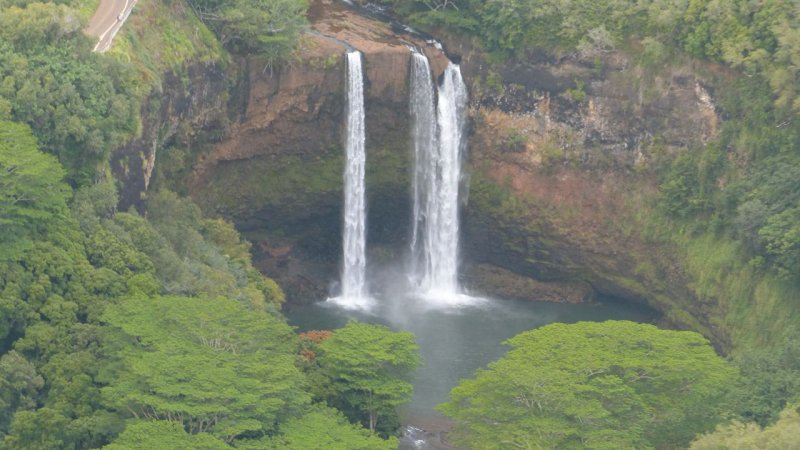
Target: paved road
[107,21]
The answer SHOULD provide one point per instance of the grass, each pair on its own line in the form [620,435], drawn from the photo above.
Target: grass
[756,308]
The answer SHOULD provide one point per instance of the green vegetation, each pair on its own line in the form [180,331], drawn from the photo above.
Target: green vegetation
[749,436]
[123,330]
[79,106]
[33,195]
[165,435]
[210,364]
[769,381]
[363,368]
[119,330]
[593,385]
[267,27]
[326,428]
[162,36]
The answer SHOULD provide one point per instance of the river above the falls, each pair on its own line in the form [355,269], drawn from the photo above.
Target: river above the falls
[455,341]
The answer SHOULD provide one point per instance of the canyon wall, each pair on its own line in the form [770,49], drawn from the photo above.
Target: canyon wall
[557,189]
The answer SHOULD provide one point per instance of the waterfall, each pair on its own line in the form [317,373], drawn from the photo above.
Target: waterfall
[437,175]
[354,260]
[423,118]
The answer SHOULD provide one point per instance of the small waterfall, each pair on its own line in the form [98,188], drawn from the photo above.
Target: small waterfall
[354,292]
[437,176]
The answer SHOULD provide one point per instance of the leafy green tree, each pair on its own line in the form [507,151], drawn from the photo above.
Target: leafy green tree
[80,107]
[211,364]
[163,435]
[593,385]
[43,429]
[19,387]
[749,436]
[268,27]
[321,428]
[94,203]
[769,380]
[33,195]
[366,366]
[782,237]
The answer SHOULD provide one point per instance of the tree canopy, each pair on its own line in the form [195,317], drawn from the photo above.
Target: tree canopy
[769,381]
[593,385]
[325,428]
[366,366]
[33,195]
[164,435]
[267,27]
[212,365]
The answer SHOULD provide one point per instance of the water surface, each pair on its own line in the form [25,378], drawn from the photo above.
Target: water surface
[455,341]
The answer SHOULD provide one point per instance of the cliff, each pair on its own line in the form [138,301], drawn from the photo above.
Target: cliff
[562,152]
[560,190]
[278,172]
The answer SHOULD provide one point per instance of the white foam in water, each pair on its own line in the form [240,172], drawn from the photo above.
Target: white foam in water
[436,299]
[354,261]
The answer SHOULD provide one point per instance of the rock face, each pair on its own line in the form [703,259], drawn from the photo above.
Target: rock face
[561,157]
[557,179]
[185,106]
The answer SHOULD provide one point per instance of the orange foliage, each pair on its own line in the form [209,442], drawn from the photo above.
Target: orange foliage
[307,354]
[316,336]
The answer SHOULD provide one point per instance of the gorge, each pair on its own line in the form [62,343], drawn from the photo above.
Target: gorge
[547,224]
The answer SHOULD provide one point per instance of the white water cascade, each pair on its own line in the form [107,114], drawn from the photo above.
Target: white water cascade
[354,261]
[423,119]
[437,174]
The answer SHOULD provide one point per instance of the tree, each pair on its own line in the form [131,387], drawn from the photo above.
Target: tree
[780,436]
[163,435]
[43,429]
[19,385]
[769,380]
[365,366]
[268,27]
[782,237]
[211,364]
[593,385]
[33,195]
[322,428]
[80,107]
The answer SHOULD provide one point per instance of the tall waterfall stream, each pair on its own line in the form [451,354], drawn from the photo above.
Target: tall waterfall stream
[354,259]
[438,143]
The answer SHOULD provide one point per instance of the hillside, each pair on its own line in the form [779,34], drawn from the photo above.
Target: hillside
[163,204]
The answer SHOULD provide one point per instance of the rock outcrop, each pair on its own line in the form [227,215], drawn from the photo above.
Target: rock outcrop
[184,107]
[562,155]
